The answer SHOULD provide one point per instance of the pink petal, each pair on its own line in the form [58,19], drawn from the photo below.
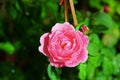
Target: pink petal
[84,39]
[56,64]
[44,43]
[82,57]
[62,27]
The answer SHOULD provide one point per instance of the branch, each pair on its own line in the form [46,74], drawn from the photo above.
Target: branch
[66,10]
[73,12]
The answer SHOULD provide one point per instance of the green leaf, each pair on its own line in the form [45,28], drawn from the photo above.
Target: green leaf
[93,46]
[90,71]
[95,60]
[111,39]
[7,47]
[52,74]
[92,64]
[43,13]
[118,59]
[82,71]
[109,52]
[107,66]
[102,19]
[100,75]
[75,1]
[116,66]
[118,9]
[12,12]
[95,3]
[18,7]
[85,22]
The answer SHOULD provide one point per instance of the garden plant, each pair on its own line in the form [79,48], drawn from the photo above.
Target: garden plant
[59,39]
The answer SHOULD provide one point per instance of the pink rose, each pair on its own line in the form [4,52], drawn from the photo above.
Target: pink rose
[64,46]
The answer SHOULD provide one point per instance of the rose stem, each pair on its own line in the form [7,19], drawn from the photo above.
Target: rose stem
[73,12]
[66,10]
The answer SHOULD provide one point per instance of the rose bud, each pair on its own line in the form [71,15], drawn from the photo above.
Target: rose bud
[85,29]
[106,9]
[64,46]
[60,2]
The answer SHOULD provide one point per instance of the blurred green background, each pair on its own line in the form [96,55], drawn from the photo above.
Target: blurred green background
[22,22]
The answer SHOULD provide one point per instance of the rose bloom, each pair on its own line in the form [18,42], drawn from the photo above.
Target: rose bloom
[64,46]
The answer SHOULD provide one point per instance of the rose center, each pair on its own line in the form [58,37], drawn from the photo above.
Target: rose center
[63,45]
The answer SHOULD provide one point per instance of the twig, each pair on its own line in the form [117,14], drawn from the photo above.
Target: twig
[66,10]
[73,12]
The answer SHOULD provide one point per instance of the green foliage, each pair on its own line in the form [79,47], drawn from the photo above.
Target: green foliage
[102,63]
[94,45]
[95,4]
[8,72]
[110,39]
[7,47]
[22,22]
[82,74]
[90,71]
[86,22]
[102,19]
[107,70]
[52,74]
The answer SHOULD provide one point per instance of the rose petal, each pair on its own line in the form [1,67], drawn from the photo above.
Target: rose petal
[56,64]
[84,39]
[44,43]
[82,57]
[62,27]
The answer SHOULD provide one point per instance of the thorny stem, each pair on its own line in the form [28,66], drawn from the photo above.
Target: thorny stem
[66,10]
[73,12]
